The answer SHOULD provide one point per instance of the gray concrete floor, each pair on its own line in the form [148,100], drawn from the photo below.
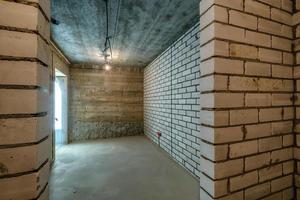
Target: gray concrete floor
[129,168]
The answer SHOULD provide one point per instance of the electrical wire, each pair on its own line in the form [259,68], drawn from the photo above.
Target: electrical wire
[107,44]
[116,23]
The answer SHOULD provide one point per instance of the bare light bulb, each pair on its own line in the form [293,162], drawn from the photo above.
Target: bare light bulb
[107,67]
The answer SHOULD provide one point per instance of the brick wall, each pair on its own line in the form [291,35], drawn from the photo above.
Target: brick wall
[171,100]
[24,99]
[246,99]
[296,23]
[105,104]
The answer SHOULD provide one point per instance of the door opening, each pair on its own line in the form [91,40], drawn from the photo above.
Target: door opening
[60,109]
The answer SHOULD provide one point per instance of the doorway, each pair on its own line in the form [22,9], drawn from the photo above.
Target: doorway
[60,109]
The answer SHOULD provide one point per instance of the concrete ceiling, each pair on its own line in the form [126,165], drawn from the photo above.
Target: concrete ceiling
[143,29]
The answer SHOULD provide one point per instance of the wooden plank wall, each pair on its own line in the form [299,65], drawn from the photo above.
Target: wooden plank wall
[105,104]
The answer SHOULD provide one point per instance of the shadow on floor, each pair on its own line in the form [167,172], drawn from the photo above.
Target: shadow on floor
[129,168]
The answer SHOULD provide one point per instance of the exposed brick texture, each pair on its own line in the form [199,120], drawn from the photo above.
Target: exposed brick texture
[25,63]
[296,23]
[171,100]
[246,101]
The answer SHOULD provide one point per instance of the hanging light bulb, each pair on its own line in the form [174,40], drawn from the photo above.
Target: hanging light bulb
[107,67]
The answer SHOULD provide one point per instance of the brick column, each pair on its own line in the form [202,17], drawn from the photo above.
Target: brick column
[246,89]
[296,23]
[24,99]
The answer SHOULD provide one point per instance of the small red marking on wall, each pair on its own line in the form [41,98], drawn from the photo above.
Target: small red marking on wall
[158,134]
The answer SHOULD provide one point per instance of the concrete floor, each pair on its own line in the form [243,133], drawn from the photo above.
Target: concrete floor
[130,168]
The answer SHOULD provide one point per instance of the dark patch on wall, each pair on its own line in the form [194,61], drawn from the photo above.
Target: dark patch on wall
[105,104]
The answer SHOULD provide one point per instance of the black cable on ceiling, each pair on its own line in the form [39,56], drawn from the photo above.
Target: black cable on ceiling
[116,23]
[107,44]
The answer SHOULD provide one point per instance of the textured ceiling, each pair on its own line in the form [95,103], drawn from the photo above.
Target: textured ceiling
[143,29]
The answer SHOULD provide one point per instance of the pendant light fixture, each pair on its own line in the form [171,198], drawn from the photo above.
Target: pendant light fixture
[107,51]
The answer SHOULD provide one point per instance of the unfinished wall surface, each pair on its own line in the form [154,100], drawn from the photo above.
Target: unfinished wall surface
[105,104]
[171,100]
[24,99]
[246,98]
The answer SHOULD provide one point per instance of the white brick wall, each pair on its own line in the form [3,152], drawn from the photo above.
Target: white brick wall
[171,100]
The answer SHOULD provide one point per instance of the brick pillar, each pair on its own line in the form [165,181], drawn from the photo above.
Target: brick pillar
[296,23]
[24,99]
[246,89]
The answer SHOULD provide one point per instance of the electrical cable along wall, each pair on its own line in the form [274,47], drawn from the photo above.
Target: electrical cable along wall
[171,100]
